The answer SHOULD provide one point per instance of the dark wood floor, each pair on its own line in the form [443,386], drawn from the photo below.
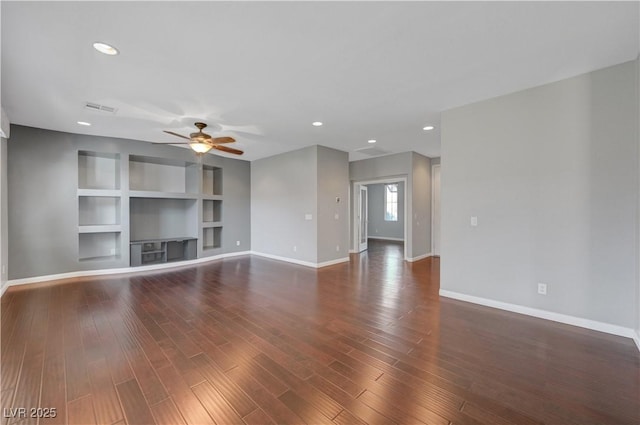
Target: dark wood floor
[250,340]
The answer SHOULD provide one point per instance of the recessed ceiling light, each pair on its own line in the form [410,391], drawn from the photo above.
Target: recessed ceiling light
[316,123]
[84,123]
[371,141]
[427,128]
[105,48]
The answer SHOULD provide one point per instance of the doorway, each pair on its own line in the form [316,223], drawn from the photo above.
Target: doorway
[362,227]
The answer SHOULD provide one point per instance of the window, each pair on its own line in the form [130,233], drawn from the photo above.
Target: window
[391,202]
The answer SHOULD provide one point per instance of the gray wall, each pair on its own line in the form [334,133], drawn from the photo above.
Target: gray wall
[4,222]
[283,189]
[378,227]
[333,182]
[421,215]
[416,169]
[551,173]
[43,178]
[236,206]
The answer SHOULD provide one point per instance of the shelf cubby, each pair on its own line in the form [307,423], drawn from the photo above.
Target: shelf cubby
[211,238]
[211,211]
[147,174]
[98,210]
[211,180]
[98,170]
[99,246]
[160,218]
[147,252]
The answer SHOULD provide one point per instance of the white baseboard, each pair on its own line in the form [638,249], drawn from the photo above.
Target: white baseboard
[101,272]
[4,287]
[353,251]
[548,315]
[332,262]
[285,259]
[382,238]
[636,338]
[419,257]
[301,262]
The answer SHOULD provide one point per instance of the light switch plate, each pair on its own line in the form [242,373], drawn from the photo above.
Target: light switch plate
[308,217]
[474,221]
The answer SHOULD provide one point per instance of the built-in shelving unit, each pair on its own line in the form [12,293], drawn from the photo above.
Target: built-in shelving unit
[211,226]
[99,206]
[172,209]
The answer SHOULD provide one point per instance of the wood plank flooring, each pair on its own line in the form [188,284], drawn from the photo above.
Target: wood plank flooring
[255,341]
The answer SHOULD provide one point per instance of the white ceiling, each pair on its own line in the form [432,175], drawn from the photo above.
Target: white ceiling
[264,71]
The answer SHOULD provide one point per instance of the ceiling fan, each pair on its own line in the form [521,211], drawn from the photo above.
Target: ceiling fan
[202,143]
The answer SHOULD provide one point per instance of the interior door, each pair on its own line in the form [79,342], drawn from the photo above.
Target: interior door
[435,231]
[363,218]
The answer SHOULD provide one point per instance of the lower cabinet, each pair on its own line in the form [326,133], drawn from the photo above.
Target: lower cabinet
[156,251]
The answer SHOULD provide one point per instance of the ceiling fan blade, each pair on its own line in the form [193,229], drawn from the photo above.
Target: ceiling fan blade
[176,134]
[218,140]
[226,149]
[170,143]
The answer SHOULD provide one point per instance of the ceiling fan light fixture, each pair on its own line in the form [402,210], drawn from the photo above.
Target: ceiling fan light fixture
[316,124]
[105,48]
[200,147]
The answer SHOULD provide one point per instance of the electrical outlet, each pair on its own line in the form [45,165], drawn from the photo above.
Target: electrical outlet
[295,248]
[237,243]
[113,251]
[4,269]
[337,247]
[474,221]
[336,216]
[308,216]
[542,288]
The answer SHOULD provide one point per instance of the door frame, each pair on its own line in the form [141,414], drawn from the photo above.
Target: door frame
[354,219]
[433,207]
[365,226]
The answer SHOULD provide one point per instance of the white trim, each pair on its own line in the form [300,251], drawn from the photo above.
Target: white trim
[363,224]
[332,262]
[285,259]
[5,124]
[101,272]
[636,338]
[353,251]
[419,257]
[3,288]
[433,167]
[300,262]
[543,314]
[382,238]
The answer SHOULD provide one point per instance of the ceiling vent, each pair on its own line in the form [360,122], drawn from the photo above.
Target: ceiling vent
[98,107]
[372,151]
